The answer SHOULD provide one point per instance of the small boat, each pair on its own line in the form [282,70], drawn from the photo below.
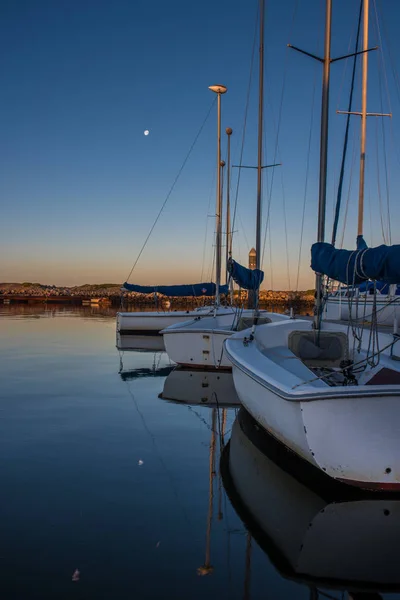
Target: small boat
[314,530]
[211,388]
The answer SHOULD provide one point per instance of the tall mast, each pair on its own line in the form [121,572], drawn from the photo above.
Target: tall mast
[219,90]
[363,119]
[323,149]
[228,203]
[260,136]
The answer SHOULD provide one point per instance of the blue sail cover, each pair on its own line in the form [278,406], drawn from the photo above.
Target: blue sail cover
[196,289]
[248,279]
[352,267]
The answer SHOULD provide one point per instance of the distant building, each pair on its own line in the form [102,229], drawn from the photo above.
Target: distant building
[252,259]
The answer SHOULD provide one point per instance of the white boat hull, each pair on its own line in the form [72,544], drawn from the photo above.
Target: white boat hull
[387,310]
[200,344]
[152,321]
[350,433]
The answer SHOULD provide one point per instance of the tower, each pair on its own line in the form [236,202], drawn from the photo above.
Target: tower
[252,259]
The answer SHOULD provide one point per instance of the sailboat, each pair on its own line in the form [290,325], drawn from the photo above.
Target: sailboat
[322,389]
[142,322]
[198,343]
[318,533]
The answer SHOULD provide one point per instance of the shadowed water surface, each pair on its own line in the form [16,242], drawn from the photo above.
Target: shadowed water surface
[102,476]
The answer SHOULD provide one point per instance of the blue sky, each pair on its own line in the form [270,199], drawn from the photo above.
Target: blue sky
[81,185]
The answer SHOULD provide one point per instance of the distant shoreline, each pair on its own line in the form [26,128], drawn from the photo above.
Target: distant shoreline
[111,294]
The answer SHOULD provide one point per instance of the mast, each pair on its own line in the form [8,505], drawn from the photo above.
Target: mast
[363,119]
[228,204]
[260,134]
[219,90]
[323,151]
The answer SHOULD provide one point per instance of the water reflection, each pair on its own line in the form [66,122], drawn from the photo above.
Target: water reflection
[146,343]
[314,532]
[195,386]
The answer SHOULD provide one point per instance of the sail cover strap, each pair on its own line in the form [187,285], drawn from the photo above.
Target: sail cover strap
[195,289]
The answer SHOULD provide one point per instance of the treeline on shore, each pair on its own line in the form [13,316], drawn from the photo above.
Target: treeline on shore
[113,292]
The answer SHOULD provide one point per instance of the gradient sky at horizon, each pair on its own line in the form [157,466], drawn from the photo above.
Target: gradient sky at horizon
[81,184]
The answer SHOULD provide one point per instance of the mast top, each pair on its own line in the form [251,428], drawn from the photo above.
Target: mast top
[218,88]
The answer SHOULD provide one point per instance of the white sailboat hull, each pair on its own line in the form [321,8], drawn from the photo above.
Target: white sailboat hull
[200,343]
[152,321]
[387,310]
[350,433]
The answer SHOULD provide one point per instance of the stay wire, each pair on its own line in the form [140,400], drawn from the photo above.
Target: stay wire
[172,187]
[346,136]
[306,181]
[285,69]
[382,69]
[245,122]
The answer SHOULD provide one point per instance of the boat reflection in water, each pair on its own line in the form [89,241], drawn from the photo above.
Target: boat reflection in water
[139,347]
[145,343]
[314,531]
[195,386]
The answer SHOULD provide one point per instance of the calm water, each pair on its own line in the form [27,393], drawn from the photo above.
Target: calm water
[101,475]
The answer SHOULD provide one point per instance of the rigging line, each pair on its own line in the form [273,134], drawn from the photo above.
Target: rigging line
[286,231]
[207,221]
[270,255]
[173,185]
[353,160]
[381,54]
[244,232]
[306,182]
[245,121]
[381,69]
[392,63]
[346,136]
[378,181]
[285,69]
[370,218]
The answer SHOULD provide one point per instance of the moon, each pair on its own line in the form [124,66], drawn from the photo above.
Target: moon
[146,132]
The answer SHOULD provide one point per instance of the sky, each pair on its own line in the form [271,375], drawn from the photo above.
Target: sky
[81,185]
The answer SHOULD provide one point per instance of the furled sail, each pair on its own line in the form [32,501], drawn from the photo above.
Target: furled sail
[248,279]
[352,267]
[195,289]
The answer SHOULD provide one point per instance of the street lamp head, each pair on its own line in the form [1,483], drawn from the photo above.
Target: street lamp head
[218,89]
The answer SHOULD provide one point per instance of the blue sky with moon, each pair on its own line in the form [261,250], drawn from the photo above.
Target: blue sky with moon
[81,182]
